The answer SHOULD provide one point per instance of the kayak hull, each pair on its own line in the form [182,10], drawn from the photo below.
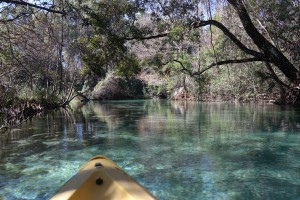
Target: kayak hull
[101,178]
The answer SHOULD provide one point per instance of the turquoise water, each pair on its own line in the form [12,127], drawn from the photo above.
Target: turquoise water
[177,150]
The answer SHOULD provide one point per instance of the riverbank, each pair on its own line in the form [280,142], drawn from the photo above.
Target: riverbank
[151,85]
[148,84]
[23,110]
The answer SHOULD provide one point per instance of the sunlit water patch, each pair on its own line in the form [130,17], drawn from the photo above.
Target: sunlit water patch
[177,150]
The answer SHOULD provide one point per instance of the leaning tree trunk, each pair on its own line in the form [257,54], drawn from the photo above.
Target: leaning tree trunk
[274,55]
[270,51]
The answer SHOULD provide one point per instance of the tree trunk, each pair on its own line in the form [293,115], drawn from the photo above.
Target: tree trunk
[270,51]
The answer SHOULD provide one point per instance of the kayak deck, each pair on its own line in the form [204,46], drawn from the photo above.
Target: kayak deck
[101,178]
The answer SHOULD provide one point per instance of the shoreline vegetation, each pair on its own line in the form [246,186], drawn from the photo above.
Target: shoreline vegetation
[116,88]
[15,115]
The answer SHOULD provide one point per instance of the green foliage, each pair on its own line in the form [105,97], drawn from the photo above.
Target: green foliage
[100,58]
[93,57]
[8,98]
[156,91]
[45,52]
[106,50]
[262,76]
[156,60]
[176,33]
[200,85]
[127,66]
[280,21]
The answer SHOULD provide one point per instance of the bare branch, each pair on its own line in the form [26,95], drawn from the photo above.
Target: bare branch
[183,67]
[13,54]
[24,3]
[211,31]
[148,37]
[15,18]
[10,71]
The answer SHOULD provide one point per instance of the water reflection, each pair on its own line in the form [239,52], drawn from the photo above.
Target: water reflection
[179,150]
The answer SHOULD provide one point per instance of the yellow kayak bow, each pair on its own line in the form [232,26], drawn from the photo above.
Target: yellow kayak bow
[101,178]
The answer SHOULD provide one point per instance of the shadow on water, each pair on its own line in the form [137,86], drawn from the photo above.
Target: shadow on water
[183,150]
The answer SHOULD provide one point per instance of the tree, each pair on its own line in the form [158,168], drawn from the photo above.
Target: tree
[101,34]
[265,51]
[37,58]
[270,52]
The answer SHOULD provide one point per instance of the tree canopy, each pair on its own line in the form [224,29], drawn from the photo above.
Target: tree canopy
[49,49]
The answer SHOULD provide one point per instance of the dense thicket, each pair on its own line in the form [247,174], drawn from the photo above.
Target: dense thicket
[211,49]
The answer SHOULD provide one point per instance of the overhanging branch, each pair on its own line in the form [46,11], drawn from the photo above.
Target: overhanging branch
[147,37]
[234,39]
[271,52]
[24,3]
[215,23]
[223,62]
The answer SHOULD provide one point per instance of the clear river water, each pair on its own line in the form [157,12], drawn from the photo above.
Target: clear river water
[177,150]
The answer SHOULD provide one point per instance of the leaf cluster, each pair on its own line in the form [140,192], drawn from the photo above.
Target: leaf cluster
[106,50]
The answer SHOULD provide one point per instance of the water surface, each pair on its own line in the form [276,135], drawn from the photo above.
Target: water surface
[177,150]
